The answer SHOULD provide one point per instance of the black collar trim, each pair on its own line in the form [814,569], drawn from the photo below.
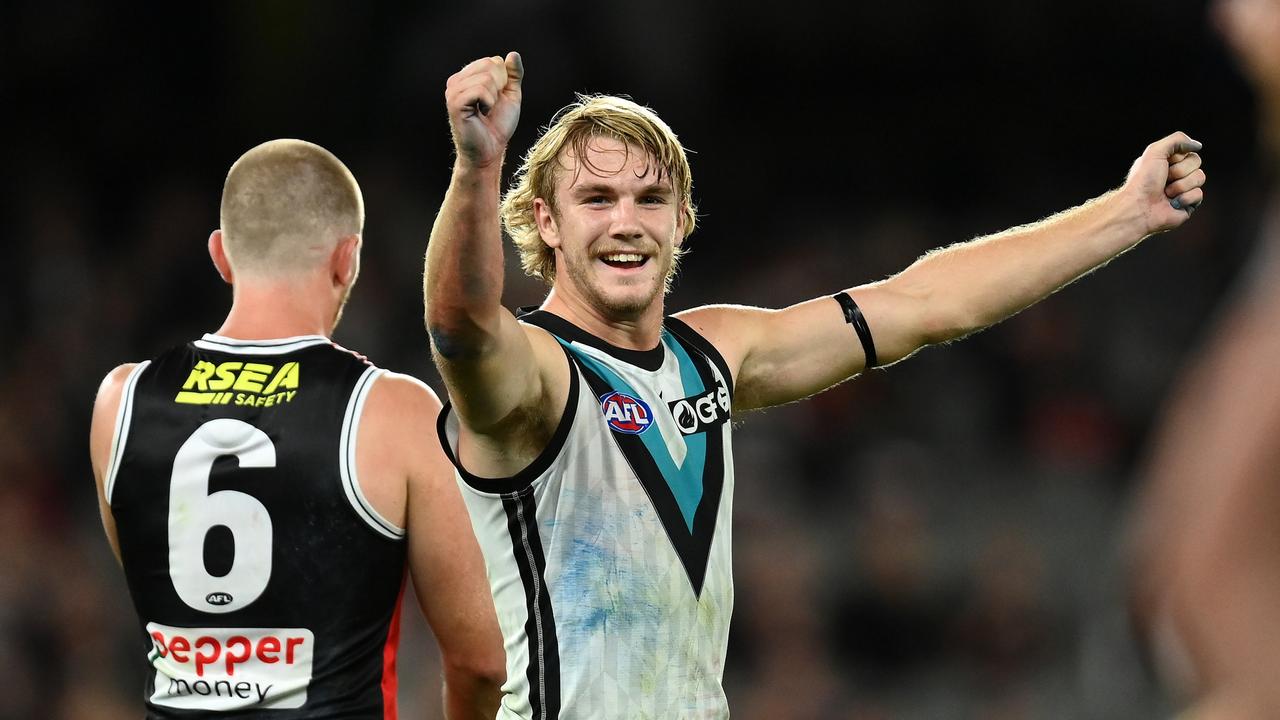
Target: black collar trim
[650,360]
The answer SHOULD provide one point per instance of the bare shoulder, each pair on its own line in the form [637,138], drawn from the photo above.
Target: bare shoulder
[731,329]
[396,396]
[723,319]
[398,424]
[399,417]
[108,399]
[714,317]
[105,408]
[397,442]
[112,385]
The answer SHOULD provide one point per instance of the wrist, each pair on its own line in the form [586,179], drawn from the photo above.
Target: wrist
[1127,210]
[472,171]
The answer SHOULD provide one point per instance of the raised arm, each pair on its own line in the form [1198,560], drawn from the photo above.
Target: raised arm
[494,372]
[784,355]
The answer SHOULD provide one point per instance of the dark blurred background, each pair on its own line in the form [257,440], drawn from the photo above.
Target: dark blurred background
[942,539]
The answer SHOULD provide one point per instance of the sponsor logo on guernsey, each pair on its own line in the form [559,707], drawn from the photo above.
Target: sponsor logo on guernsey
[697,413]
[230,668]
[239,383]
[626,413]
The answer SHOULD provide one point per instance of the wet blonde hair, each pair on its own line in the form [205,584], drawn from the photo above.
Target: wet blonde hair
[573,128]
[285,205]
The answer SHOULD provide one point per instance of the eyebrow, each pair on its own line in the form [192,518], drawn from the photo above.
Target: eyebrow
[603,189]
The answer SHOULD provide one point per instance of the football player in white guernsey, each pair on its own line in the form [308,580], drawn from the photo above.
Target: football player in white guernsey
[574,428]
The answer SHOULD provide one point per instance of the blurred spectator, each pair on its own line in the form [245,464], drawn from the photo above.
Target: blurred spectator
[1209,582]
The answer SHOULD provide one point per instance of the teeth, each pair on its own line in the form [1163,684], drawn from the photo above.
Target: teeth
[624,257]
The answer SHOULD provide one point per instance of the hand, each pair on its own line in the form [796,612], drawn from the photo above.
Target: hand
[484,106]
[1167,182]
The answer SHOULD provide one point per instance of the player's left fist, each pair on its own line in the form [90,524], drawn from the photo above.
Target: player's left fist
[1167,182]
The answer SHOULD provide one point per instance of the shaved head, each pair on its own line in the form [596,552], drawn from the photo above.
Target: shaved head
[285,206]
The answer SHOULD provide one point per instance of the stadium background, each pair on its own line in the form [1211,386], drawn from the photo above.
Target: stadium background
[938,540]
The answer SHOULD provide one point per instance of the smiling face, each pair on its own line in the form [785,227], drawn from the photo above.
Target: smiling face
[614,227]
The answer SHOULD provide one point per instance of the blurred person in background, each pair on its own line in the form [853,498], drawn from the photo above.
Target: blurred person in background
[264,488]
[608,540]
[1208,539]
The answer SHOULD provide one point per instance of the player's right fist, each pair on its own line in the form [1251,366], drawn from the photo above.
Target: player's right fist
[484,106]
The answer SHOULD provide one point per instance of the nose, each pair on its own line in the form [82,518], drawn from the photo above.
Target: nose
[624,223]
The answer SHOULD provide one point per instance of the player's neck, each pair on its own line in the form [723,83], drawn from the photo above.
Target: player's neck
[267,310]
[642,332]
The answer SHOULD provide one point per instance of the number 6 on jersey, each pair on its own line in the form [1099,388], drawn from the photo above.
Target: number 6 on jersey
[194,511]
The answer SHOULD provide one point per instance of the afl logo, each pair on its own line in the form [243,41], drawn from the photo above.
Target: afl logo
[626,414]
[218,598]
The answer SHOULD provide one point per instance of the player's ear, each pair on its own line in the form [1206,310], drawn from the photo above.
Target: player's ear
[548,228]
[344,263]
[218,254]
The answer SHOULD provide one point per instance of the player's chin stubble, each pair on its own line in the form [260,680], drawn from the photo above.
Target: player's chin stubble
[625,308]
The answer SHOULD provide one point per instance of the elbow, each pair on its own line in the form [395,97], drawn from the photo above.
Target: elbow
[907,319]
[489,670]
[482,673]
[943,324]
[942,305]
[937,327]
[448,344]
[457,334]
[471,692]
[934,318]
[941,317]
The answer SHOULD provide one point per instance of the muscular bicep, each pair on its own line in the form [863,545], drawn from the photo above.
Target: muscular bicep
[790,353]
[784,355]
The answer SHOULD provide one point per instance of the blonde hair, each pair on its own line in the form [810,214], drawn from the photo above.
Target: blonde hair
[573,127]
[285,205]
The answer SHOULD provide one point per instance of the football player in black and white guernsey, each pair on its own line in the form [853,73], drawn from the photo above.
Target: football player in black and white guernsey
[265,489]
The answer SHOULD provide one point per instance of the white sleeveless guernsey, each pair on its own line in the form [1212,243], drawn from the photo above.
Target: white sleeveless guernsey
[609,556]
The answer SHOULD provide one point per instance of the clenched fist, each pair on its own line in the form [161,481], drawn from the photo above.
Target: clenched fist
[484,107]
[1167,182]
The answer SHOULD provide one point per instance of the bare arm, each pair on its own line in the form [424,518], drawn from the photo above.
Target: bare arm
[788,354]
[445,563]
[496,374]
[101,432]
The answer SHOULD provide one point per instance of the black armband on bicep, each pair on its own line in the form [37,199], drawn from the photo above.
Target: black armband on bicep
[853,316]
